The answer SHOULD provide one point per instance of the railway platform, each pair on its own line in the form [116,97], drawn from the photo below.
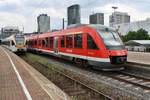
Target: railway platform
[139,57]
[20,81]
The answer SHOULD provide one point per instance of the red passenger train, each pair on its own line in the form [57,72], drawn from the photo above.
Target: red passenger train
[95,45]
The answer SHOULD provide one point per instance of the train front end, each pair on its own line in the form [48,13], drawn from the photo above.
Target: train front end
[114,48]
[114,45]
[20,43]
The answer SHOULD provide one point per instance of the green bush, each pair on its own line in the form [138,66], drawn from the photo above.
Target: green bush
[140,34]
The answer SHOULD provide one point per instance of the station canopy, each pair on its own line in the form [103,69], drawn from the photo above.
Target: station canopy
[138,43]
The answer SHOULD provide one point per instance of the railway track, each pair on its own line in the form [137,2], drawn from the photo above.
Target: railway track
[79,90]
[74,88]
[130,78]
[133,80]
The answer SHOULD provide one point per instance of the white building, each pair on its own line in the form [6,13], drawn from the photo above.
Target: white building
[124,28]
[118,18]
[138,45]
[8,31]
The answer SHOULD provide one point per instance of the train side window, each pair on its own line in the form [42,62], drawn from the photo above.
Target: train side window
[32,42]
[78,40]
[35,42]
[12,42]
[39,42]
[29,43]
[7,43]
[69,41]
[51,42]
[56,42]
[43,43]
[62,41]
[26,42]
[90,43]
[46,42]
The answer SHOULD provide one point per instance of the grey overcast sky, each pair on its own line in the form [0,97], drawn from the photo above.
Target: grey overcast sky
[24,12]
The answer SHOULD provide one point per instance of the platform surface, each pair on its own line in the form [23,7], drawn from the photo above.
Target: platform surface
[20,81]
[139,57]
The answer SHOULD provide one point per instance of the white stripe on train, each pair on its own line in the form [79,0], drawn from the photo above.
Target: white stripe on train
[77,56]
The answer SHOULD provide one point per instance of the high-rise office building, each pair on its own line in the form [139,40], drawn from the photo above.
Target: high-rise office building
[73,14]
[43,21]
[97,18]
[118,18]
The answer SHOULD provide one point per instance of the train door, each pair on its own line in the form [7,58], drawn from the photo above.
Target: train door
[40,43]
[92,48]
[56,45]
[12,46]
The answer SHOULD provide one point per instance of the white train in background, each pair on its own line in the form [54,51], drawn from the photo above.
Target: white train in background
[15,43]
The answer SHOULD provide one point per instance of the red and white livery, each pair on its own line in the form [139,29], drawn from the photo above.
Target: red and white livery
[95,45]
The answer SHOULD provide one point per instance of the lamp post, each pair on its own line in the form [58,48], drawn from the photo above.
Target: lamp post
[63,23]
[22,28]
[114,7]
[113,15]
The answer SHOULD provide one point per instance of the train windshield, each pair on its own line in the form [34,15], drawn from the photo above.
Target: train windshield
[19,40]
[111,39]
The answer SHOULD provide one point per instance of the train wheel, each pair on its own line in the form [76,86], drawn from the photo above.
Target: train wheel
[81,62]
[85,63]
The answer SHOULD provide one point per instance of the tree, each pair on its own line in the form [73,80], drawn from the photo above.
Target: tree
[140,34]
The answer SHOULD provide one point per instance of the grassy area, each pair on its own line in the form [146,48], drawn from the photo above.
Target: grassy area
[41,60]
[50,72]
[52,68]
[35,58]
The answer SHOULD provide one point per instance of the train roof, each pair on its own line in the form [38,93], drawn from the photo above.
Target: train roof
[95,26]
[9,38]
[73,28]
[101,27]
[12,36]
